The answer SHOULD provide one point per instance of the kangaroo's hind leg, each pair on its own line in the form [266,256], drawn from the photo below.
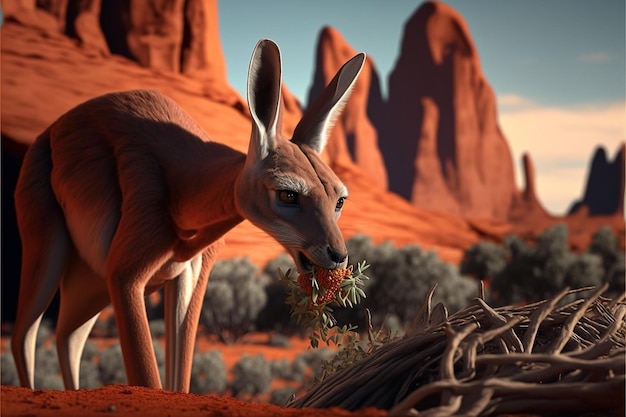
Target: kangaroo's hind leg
[83,296]
[45,247]
[183,303]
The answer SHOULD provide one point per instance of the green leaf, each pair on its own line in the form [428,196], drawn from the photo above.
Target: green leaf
[314,283]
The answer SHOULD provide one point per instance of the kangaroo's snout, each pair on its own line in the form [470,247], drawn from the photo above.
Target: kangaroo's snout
[336,256]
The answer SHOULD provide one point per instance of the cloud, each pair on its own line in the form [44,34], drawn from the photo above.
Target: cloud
[514,101]
[561,141]
[595,58]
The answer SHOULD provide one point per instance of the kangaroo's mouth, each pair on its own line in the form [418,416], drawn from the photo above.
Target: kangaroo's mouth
[305,264]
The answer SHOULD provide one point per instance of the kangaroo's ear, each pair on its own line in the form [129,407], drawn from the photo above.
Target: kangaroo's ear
[264,97]
[318,120]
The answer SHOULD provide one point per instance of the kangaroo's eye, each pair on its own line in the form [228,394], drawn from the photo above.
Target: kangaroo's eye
[287,197]
[340,203]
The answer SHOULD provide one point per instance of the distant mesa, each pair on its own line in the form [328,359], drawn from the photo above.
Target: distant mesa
[438,132]
[604,192]
[442,148]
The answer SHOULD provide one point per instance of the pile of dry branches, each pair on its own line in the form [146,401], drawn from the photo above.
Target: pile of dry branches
[536,358]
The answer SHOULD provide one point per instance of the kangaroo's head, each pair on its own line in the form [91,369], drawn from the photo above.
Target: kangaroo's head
[285,187]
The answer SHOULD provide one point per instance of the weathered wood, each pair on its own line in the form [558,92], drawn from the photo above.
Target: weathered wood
[484,360]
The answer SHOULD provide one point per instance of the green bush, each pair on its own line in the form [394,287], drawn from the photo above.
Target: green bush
[360,248]
[402,277]
[251,375]
[111,365]
[233,299]
[288,371]
[208,373]
[48,373]
[483,260]
[275,315]
[89,371]
[534,273]
[313,359]
[281,396]
[8,372]
[604,243]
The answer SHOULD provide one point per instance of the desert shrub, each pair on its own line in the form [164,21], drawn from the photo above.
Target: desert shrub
[47,372]
[279,340]
[402,277]
[157,328]
[282,262]
[275,315]
[111,365]
[8,372]
[281,396]
[89,372]
[534,273]
[604,243]
[45,332]
[537,272]
[360,248]
[483,260]
[289,371]
[251,375]
[616,277]
[313,359]
[233,299]
[208,373]
[586,270]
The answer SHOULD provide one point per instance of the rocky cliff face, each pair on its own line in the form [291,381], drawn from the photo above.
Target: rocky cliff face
[38,63]
[440,138]
[604,191]
[354,138]
[437,133]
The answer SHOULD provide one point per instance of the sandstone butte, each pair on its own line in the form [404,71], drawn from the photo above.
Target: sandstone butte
[454,160]
[45,73]
[450,176]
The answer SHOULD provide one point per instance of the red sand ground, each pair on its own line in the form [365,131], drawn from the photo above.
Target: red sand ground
[125,401]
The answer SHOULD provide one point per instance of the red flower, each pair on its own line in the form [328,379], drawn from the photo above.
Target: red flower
[329,281]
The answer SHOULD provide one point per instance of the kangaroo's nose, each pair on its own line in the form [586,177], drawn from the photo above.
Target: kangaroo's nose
[337,257]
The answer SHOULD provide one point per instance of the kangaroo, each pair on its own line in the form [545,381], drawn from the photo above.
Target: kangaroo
[126,194]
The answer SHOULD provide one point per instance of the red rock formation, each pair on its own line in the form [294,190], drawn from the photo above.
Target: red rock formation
[84,24]
[354,139]
[26,12]
[604,192]
[528,218]
[526,206]
[438,94]
[202,50]
[51,65]
[154,32]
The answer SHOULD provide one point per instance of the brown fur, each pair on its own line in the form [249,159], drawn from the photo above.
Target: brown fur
[126,194]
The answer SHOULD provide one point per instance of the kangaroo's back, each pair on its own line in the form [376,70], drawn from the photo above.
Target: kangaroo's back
[81,158]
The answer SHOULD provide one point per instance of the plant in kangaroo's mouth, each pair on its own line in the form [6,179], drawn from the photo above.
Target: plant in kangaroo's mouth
[313,294]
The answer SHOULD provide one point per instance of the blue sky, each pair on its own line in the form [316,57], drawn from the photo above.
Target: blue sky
[556,66]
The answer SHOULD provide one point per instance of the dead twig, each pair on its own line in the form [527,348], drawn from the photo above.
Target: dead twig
[481,361]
